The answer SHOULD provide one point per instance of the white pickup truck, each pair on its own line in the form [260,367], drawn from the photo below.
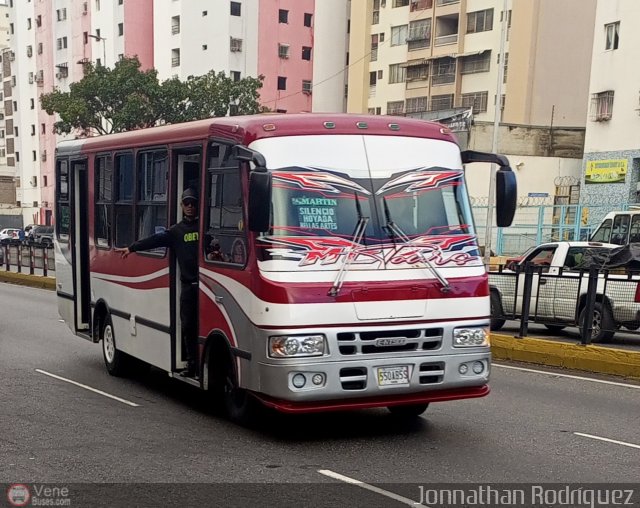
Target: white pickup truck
[558,297]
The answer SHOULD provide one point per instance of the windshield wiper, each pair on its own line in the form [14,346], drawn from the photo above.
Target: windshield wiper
[393,230]
[358,233]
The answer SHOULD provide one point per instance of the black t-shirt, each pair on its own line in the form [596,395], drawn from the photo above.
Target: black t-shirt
[183,238]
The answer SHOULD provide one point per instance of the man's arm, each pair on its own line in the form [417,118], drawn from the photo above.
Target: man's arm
[162,239]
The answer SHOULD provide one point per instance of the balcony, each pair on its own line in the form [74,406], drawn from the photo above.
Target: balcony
[446,39]
[421,5]
[447,2]
[443,79]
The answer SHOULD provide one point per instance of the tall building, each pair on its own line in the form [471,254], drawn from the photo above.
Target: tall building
[611,169]
[437,58]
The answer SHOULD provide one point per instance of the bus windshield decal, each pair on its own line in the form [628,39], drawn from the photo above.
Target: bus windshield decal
[423,179]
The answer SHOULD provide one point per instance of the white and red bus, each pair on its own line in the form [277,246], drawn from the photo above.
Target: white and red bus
[339,266]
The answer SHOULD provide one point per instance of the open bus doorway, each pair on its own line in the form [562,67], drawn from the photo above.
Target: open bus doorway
[187,163]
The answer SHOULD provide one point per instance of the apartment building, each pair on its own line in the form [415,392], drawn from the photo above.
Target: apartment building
[437,58]
[611,168]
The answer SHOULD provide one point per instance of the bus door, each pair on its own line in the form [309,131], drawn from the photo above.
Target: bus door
[187,164]
[72,256]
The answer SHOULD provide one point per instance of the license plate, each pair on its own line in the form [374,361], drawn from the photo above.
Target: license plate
[397,375]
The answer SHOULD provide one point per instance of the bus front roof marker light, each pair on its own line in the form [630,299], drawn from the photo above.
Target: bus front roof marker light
[394,127]
[268,127]
[362,125]
[329,125]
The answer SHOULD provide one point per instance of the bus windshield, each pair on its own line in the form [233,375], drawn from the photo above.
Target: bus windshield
[414,207]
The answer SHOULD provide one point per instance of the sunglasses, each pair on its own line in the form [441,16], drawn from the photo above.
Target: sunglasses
[190,202]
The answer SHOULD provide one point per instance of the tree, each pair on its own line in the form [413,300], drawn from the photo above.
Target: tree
[124,98]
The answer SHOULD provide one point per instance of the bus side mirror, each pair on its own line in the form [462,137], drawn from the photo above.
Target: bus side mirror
[506,197]
[259,201]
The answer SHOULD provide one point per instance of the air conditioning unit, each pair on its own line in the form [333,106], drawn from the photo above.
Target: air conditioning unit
[306,87]
[33,181]
[283,51]
[236,45]
[18,204]
[12,56]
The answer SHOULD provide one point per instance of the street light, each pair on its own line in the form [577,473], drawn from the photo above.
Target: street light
[104,47]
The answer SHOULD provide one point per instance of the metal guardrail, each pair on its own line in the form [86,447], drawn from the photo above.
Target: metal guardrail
[598,302]
[32,259]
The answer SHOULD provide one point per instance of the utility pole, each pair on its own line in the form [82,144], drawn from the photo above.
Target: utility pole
[494,146]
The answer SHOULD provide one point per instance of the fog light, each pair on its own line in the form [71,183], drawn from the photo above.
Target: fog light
[317,379]
[478,367]
[299,380]
[463,368]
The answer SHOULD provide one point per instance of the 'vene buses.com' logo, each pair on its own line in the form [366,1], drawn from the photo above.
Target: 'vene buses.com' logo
[18,494]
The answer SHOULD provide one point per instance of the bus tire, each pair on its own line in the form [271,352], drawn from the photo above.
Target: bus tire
[240,406]
[115,361]
[408,411]
[497,320]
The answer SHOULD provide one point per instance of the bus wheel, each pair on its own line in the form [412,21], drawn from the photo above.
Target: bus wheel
[240,405]
[409,411]
[115,361]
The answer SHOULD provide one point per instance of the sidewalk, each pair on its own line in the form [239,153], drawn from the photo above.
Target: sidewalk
[554,353]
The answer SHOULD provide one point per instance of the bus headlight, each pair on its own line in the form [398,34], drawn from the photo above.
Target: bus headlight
[297,346]
[470,337]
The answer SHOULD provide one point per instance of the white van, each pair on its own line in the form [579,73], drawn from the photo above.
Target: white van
[620,228]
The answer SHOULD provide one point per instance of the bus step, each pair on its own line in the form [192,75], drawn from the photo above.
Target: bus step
[189,380]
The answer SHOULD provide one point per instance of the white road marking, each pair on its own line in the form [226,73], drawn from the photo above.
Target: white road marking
[630,445]
[124,401]
[581,378]
[358,483]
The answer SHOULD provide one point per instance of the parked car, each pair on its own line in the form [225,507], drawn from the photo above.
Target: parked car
[559,288]
[42,235]
[8,234]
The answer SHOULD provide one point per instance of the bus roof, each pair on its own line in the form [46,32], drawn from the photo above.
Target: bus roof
[246,129]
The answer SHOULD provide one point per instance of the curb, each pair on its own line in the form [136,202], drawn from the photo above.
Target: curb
[24,279]
[591,358]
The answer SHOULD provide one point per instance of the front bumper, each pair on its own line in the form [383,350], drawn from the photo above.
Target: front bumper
[356,383]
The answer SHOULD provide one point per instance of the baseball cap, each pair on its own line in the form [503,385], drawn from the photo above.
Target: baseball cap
[189,194]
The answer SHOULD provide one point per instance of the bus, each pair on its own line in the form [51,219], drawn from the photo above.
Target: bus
[620,228]
[338,261]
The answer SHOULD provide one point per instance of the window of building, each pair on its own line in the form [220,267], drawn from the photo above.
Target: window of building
[439,102]
[480,21]
[373,78]
[151,202]
[235,45]
[475,100]
[120,2]
[15,131]
[123,207]
[612,31]
[283,16]
[417,104]
[11,28]
[476,63]
[399,35]
[283,50]
[17,156]
[33,103]
[395,108]
[204,13]
[236,9]
[3,152]
[34,155]
[307,86]
[175,25]
[28,23]
[306,53]
[397,73]
[15,106]
[443,71]
[419,35]
[236,75]
[104,201]
[120,29]
[97,5]
[61,14]
[175,57]
[33,130]
[417,72]
[204,47]
[282,83]
[62,43]
[308,19]
[400,3]
[602,106]
[43,128]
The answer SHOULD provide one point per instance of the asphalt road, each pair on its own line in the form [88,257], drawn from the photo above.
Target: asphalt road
[171,449]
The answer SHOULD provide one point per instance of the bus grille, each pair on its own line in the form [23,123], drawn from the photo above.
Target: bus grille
[431,373]
[353,378]
[389,341]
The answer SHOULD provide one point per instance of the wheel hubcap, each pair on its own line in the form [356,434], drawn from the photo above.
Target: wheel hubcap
[597,324]
[108,344]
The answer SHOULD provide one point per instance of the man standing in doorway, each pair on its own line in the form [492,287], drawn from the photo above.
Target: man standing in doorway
[183,238]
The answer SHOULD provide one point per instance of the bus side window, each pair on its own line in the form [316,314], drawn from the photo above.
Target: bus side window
[603,233]
[225,237]
[620,232]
